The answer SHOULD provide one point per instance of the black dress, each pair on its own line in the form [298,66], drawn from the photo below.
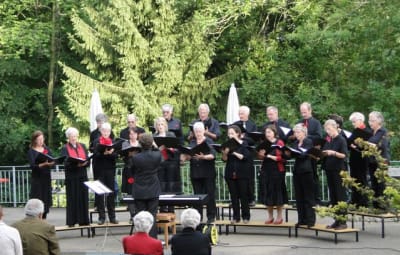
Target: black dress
[76,190]
[274,176]
[40,180]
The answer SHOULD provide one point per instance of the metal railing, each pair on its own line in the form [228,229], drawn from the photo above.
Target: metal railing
[15,183]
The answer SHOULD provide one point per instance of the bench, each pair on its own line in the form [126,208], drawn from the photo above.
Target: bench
[76,227]
[117,210]
[382,217]
[228,224]
[222,206]
[322,228]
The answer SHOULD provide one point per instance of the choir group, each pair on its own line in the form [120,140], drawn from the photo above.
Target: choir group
[152,163]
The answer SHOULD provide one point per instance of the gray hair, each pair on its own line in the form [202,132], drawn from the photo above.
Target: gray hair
[143,221]
[105,126]
[34,207]
[71,131]
[131,116]
[306,104]
[205,106]
[198,126]
[357,116]
[378,115]
[331,123]
[167,108]
[272,108]
[245,109]
[101,117]
[300,127]
[190,218]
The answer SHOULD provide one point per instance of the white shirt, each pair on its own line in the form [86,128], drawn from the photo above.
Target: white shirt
[10,240]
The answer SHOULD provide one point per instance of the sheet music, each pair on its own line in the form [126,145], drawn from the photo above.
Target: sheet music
[285,130]
[347,133]
[98,187]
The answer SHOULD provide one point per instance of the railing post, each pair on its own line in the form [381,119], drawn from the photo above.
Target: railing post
[14,177]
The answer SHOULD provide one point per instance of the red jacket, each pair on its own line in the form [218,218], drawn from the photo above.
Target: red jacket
[142,243]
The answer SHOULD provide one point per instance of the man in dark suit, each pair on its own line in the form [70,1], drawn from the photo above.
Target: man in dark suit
[38,237]
[131,120]
[211,125]
[146,187]
[273,119]
[190,241]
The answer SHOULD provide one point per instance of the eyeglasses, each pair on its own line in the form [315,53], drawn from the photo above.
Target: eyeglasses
[131,121]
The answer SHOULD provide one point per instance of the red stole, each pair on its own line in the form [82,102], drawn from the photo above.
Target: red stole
[105,140]
[279,159]
[77,152]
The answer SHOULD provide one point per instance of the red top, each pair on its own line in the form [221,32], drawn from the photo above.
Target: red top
[142,243]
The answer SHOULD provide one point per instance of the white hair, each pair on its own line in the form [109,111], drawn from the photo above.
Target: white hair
[190,218]
[101,117]
[205,106]
[143,221]
[357,116]
[378,115]
[34,207]
[71,131]
[105,126]
[272,108]
[331,123]
[167,108]
[245,109]
[198,126]
[131,116]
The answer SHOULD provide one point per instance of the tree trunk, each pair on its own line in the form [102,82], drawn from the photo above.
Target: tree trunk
[52,74]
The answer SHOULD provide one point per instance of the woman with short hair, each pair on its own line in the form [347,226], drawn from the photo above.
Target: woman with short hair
[75,176]
[141,242]
[190,241]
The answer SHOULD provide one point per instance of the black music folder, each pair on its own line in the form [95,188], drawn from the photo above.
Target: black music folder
[75,161]
[319,142]
[200,148]
[125,150]
[217,147]
[117,146]
[41,158]
[359,133]
[223,125]
[256,136]
[232,144]
[265,145]
[167,141]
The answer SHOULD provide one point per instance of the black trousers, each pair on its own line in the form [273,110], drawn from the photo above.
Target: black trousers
[358,171]
[108,179]
[377,187]
[206,186]
[238,191]
[252,183]
[304,191]
[150,205]
[317,192]
[337,191]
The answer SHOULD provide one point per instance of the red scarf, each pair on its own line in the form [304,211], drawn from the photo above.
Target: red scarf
[362,126]
[105,140]
[77,152]
[279,159]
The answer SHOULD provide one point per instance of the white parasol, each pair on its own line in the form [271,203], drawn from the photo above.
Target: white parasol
[95,108]
[232,109]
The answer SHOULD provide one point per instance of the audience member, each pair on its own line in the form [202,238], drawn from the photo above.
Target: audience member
[10,240]
[38,237]
[141,242]
[190,241]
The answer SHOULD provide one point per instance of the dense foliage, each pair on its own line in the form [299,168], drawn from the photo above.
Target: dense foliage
[341,55]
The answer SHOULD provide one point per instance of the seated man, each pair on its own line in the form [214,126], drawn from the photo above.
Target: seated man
[190,241]
[141,242]
[10,241]
[38,237]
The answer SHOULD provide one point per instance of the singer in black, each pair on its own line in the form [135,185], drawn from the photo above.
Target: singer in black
[381,140]
[335,150]
[202,171]
[104,167]
[41,175]
[237,174]
[303,177]
[75,176]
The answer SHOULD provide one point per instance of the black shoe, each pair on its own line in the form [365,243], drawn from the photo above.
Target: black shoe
[71,226]
[101,221]
[114,221]
[341,226]
[333,225]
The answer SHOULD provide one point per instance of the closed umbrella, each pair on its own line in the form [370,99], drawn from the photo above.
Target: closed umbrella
[95,108]
[232,109]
